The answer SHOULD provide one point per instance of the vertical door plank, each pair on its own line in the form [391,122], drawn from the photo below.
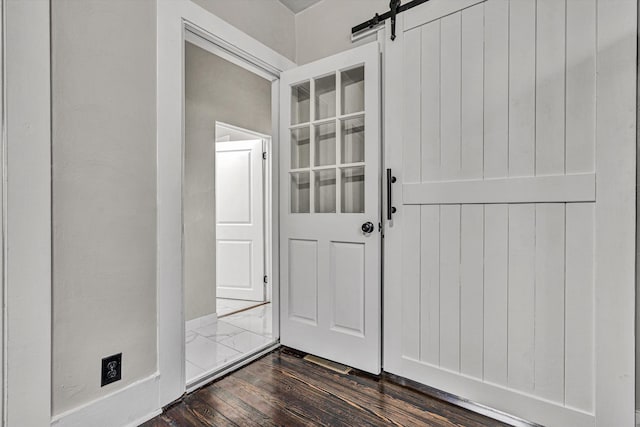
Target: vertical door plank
[496,243]
[430,285]
[450,73]
[472,290]
[472,92]
[411,282]
[450,287]
[581,86]
[411,134]
[550,75]
[522,80]
[431,101]
[521,296]
[579,356]
[496,95]
[549,301]
[411,215]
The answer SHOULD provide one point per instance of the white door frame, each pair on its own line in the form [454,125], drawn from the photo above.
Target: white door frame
[25,321]
[267,204]
[174,19]
[615,211]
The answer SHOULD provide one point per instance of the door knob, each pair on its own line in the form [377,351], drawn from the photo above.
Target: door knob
[368,227]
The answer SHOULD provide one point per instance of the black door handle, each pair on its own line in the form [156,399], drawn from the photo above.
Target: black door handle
[390,180]
[368,227]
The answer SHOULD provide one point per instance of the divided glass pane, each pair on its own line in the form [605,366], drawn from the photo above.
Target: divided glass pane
[325,191]
[300,192]
[325,94]
[300,148]
[325,145]
[352,90]
[352,150]
[353,189]
[300,103]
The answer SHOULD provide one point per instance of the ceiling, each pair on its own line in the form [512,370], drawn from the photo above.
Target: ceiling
[299,5]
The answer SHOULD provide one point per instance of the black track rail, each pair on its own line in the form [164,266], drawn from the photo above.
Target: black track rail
[395,8]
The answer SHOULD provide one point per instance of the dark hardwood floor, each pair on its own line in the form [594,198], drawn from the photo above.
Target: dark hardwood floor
[282,389]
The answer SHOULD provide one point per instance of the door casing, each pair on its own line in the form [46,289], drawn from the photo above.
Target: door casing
[176,22]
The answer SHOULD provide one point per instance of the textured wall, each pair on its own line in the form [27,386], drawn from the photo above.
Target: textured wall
[268,21]
[104,194]
[215,90]
[325,28]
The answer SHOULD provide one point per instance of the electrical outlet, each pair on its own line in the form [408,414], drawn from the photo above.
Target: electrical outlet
[111,369]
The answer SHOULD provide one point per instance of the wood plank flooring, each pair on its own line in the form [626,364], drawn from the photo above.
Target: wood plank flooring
[281,389]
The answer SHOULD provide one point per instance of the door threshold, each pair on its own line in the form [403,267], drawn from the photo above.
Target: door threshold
[260,304]
[231,366]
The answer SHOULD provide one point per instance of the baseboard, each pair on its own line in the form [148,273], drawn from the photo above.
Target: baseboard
[637,418]
[201,322]
[128,407]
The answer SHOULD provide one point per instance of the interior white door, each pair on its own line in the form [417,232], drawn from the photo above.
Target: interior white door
[330,208]
[239,220]
[500,283]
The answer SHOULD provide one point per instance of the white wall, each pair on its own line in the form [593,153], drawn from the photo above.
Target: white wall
[104,194]
[215,90]
[318,31]
[638,239]
[325,28]
[26,231]
[268,21]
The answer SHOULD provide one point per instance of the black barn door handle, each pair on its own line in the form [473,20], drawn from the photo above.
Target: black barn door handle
[390,180]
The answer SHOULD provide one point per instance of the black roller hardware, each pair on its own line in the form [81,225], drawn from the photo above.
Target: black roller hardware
[395,7]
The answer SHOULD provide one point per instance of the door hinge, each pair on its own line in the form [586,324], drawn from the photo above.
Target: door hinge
[265,279]
[264,155]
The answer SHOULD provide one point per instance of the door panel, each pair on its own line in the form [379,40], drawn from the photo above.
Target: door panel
[347,287]
[240,220]
[490,258]
[330,187]
[303,283]
[235,168]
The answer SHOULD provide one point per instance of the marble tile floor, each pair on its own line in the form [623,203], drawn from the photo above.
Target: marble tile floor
[225,306]
[210,347]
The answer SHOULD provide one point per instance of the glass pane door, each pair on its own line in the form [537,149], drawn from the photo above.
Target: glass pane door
[327,144]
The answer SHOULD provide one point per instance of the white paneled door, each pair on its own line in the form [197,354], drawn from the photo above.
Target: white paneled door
[500,283]
[240,220]
[330,208]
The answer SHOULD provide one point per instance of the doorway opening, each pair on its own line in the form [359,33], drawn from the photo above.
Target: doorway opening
[227,234]
[242,283]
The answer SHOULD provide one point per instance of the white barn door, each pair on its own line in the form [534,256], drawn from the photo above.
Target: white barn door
[330,208]
[515,159]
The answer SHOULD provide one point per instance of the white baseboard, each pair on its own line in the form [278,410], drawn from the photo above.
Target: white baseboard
[201,322]
[637,418]
[128,407]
